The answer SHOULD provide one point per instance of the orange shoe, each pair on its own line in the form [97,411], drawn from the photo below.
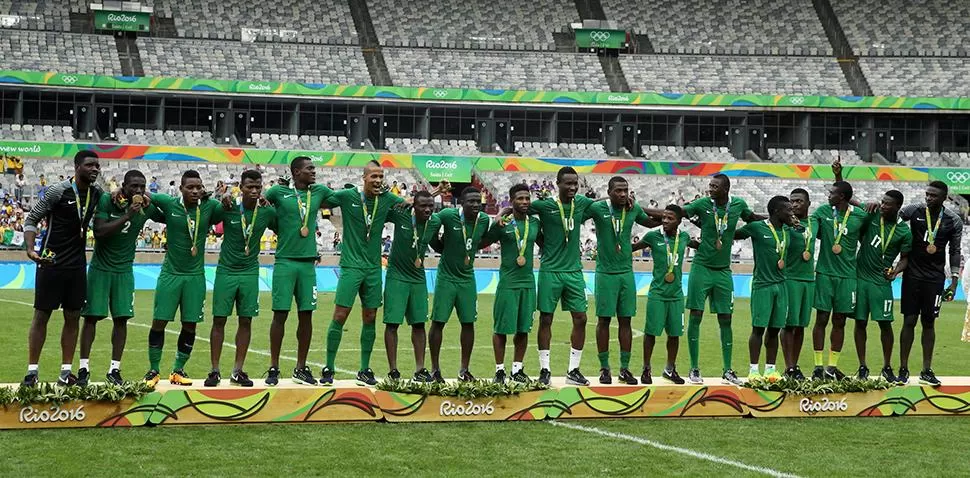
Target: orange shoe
[178,377]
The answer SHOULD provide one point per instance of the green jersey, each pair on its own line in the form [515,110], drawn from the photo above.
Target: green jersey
[658,243]
[614,229]
[560,227]
[850,228]
[881,243]
[181,224]
[116,253]
[410,242]
[769,247]
[233,257]
[796,267]
[714,226]
[363,226]
[513,238]
[294,209]
[460,240]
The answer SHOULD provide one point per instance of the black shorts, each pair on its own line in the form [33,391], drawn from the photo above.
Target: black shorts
[921,298]
[56,288]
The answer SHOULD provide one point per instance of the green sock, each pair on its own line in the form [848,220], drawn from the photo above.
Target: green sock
[334,333]
[604,359]
[694,340]
[155,357]
[624,360]
[180,359]
[727,343]
[368,333]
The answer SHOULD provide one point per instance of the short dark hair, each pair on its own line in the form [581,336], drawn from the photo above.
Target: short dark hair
[423,194]
[679,211]
[941,186]
[374,163]
[723,177]
[469,190]
[896,195]
[297,163]
[613,181]
[81,156]
[845,188]
[134,173]
[776,202]
[190,174]
[799,191]
[253,174]
[564,171]
[518,187]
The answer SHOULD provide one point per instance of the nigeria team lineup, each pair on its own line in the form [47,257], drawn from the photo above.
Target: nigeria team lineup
[836,256]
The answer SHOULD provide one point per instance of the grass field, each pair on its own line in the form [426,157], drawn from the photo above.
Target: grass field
[804,447]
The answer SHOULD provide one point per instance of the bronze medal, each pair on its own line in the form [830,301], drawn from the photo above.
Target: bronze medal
[617,248]
[837,249]
[669,277]
[304,231]
[138,199]
[194,251]
[717,244]
[520,261]
[806,256]
[781,263]
[247,249]
[931,249]
[418,263]
[468,260]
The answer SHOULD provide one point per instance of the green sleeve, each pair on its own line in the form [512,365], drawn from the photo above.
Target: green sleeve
[745,231]
[217,212]
[103,205]
[494,233]
[645,240]
[395,199]
[535,206]
[163,201]
[395,216]
[907,244]
[323,191]
[746,211]
[690,209]
[273,195]
[272,224]
[641,217]
[434,224]
[589,213]
[336,199]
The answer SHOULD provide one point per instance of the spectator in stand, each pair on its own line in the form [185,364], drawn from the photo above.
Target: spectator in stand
[505,203]
[404,189]
[395,189]
[156,240]
[654,205]
[534,187]
[680,199]
[112,184]
[19,185]
[153,187]
[172,190]
[590,193]
[41,186]
[336,241]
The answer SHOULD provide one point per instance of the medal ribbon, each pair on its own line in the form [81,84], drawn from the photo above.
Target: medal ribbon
[672,255]
[193,232]
[464,231]
[520,240]
[836,230]
[305,217]
[247,231]
[617,225]
[930,229]
[882,232]
[779,246]
[369,218]
[562,215]
[808,235]
[719,223]
[87,204]
[414,234]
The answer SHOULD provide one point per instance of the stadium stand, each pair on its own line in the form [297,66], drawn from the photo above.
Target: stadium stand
[560,150]
[495,70]
[735,74]
[812,156]
[481,24]
[165,137]
[54,15]
[910,76]
[655,152]
[926,158]
[905,27]
[29,132]
[312,21]
[62,52]
[432,146]
[763,27]
[308,142]
[253,61]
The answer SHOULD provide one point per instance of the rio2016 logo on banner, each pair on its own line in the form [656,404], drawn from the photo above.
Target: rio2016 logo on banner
[957,179]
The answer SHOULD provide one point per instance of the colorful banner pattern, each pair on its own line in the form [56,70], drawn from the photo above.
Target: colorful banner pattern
[471,94]
[20,275]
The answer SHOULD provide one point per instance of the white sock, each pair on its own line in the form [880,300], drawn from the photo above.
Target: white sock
[769,368]
[575,356]
[499,366]
[516,367]
[65,367]
[83,363]
[753,370]
[115,364]
[544,359]
[32,367]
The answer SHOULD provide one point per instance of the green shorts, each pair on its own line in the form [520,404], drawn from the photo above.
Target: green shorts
[769,305]
[365,283]
[452,295]
[615,294]
[294,279]
[567,287]
[875,300]
[239,291]
[513,310]
[110,292]
[801,294]
[183,293]
[835,294]
[714,285]
[665,315]
[405,300]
